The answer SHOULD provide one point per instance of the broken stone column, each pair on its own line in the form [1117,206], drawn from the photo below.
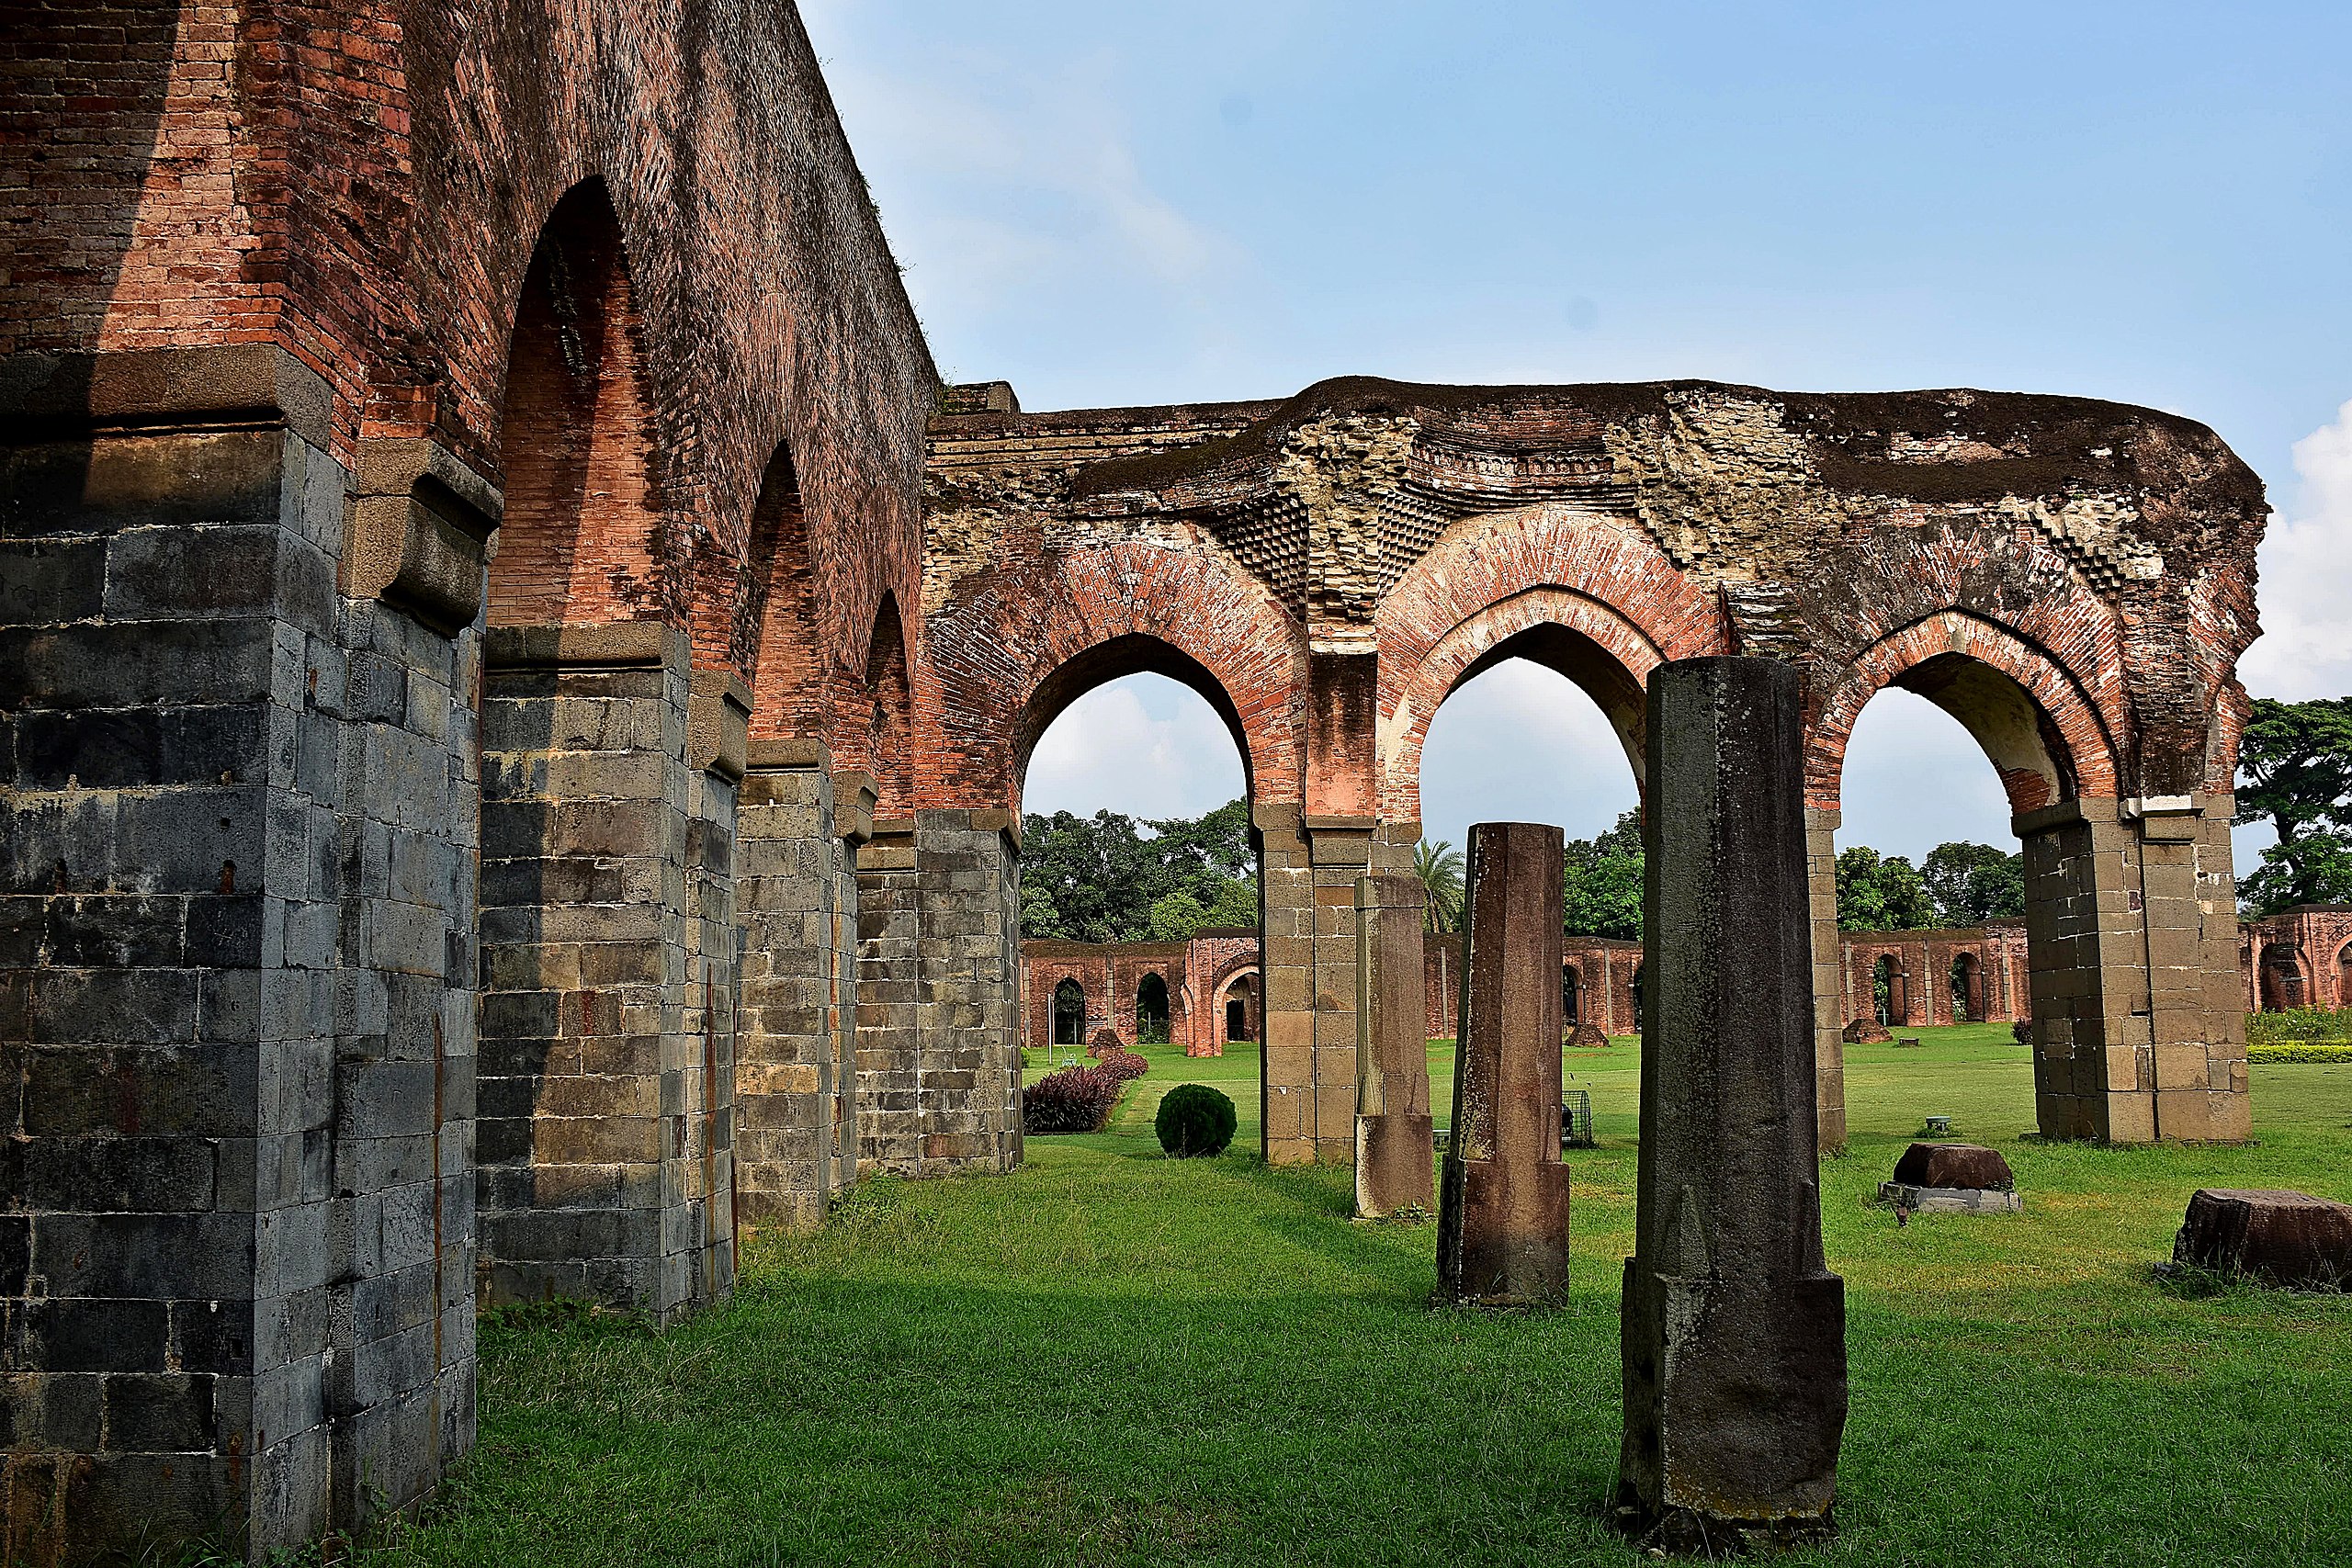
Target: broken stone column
[1503,1222]
[1733,1328]
[1393,1147]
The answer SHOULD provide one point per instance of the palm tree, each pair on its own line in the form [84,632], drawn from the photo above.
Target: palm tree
[1439,866]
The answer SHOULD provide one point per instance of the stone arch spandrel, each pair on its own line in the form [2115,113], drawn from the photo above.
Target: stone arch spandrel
[2043,731]
[1010,647]
[1588,595]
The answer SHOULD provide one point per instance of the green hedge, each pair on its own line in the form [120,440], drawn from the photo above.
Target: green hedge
[2295,1024]
[2301,1051]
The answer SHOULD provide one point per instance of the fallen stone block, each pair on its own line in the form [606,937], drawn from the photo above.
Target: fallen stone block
[1953,1165]
[1866,1031]
[2282,1238]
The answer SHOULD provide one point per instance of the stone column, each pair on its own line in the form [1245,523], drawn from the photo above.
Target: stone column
[1393,1141]
[1307,872]
[2131,948]
[1503,1214]
[1286,1037]
[938,1016]
[1828,977]
[598,1175]
[718,709]
[1733,1328]
[967,866]
[889,1056]
[798,995]
[235,961]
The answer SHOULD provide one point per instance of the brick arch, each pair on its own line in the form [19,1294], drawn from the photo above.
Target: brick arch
[1607,657]
[1016,647]
[873,715]
[1587,595]
[770,625]
[2034,719]
[585,484]
[2295,987]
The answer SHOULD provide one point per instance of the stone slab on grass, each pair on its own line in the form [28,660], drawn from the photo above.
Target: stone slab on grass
[2282,1238]
[1949,1200]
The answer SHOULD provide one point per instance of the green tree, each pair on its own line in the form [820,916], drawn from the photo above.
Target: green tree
[2295,772]
[1110,878]
[1601,881]
[1971,884]
[1439,866]
[1879,893]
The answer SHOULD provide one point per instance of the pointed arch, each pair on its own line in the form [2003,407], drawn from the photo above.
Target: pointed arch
[874,715]
[2034,720]
[774,639]
[584,489]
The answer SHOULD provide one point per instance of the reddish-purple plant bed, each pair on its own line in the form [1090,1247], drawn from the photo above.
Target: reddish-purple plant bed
[1124,1063]
[1075,1099]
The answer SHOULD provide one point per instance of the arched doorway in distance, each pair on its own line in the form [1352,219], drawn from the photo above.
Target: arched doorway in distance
[1967,989]
[1069,1013]
[1151,1009]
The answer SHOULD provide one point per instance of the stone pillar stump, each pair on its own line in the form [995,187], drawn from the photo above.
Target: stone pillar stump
[1393,1146]
[1503,1219]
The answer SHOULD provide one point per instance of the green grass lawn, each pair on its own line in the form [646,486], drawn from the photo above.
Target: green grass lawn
[1110,1356]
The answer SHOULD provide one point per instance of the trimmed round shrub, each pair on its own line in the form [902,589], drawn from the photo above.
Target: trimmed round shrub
[1194,1120]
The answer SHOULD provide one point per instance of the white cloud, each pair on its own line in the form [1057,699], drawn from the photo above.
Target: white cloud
[1521,743]
[1915,778]
[1143,746]
[1006,182]
[2306,583]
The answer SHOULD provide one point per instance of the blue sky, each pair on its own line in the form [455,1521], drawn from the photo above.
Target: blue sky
[1155,202]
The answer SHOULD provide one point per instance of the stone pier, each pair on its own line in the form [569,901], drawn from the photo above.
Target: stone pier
[1733,1328]
[1393,1147]
[1503,1222]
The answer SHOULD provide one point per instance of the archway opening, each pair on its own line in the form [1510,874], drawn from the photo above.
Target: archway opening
[2344,976]
[1967,989]
[1545,727]
[1935,770]
[1151,1009]
[1240,1007]
[1069,1013]
[2283,984]
[1136,838]
[1886,992]
[584,486]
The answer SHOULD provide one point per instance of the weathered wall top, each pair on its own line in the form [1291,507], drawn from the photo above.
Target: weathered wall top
[2099,556]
